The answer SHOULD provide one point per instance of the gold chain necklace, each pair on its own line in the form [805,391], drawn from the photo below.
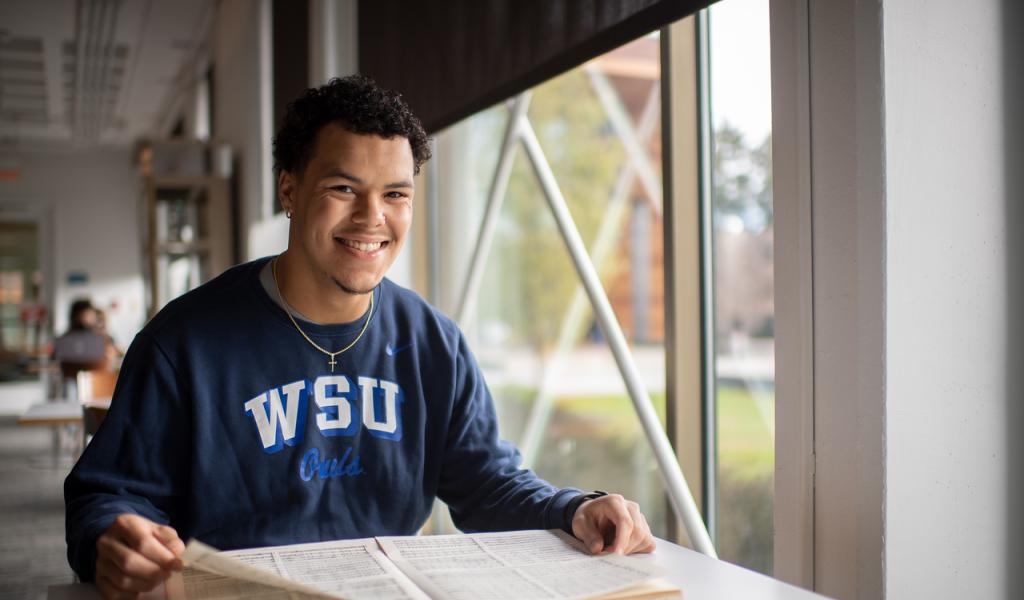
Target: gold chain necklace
[288,311]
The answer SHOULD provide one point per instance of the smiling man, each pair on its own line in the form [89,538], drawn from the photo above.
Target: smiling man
[306,397]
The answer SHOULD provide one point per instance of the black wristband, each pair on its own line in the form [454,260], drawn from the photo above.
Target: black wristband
[570,508]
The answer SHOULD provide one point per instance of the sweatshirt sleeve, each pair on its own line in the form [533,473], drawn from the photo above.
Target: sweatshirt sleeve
[481,480]
[138,460]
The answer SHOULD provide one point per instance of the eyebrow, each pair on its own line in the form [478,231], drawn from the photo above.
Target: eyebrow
[405,183]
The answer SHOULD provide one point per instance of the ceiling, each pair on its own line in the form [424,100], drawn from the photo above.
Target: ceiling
[83,73]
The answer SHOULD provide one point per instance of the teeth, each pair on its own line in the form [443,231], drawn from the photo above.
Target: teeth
[361,246]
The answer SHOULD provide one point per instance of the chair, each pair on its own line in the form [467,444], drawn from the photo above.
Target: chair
[95,388]
[69,372]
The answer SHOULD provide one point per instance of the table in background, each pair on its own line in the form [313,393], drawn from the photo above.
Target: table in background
[63,414]
[700,578]
[66,419]
[53,413]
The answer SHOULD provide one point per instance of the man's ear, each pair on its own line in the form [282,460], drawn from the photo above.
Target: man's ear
[285,191]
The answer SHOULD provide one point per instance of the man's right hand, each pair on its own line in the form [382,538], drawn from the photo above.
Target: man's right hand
[135,555]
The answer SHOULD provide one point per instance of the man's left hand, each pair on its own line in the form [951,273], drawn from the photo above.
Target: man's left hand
[612,524]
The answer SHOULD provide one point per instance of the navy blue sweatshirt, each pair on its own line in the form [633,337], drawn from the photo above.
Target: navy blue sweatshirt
[230,427]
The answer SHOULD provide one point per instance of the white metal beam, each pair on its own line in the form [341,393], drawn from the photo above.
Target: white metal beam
[573,321]
[495,199]
[675,483]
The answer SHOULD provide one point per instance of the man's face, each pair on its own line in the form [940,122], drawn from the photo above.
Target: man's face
[352,207]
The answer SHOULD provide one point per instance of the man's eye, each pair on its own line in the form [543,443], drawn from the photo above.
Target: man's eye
[394,195]
[344,189]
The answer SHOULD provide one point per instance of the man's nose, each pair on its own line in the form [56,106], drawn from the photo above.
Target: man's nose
[369,211]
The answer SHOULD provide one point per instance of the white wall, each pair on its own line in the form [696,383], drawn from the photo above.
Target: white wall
[91,199]
[898,155]
[947,316]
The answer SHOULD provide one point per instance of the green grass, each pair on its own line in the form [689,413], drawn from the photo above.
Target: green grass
[604,451]
[605,457]
[618,409]
[745,444]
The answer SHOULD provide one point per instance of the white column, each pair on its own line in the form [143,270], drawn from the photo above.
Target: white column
[952,415]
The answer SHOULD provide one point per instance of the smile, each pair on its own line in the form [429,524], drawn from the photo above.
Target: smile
[362,246]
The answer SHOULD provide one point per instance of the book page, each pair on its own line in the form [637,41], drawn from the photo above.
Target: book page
[512,566]
[351,569]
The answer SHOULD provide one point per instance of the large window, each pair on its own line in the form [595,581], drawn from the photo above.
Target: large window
[741,209]
[559,393]
[558,390]
[23,317]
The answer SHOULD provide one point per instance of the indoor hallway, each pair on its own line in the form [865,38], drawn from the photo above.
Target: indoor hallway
[32,548]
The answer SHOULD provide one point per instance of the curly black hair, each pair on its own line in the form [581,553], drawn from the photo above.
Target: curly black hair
[356,103]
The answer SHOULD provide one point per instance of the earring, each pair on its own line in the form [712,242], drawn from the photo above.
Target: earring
[288,213]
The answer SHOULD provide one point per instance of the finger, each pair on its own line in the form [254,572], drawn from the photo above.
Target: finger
[118,560]
[110,591]
[637,535]
[621,520]
[126,524]
[141,536]
[651,543]
[168,537]
[641,531]
[121,585]
[126,581]
[588,533]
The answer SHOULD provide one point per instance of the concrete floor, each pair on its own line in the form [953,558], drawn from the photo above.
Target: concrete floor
[32,548]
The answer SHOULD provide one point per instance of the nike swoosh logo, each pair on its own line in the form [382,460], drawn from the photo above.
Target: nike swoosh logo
[391,350]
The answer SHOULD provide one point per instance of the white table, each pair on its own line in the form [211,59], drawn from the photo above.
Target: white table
[66,419]
[704,578]
[64,412]
[62,415]
[700,578]
[52,413]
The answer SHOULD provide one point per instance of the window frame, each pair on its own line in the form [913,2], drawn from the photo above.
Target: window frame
[794,307]
[689,307]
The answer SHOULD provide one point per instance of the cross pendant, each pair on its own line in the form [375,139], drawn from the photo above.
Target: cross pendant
[332,363]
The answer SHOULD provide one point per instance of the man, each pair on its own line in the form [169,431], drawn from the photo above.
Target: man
[305,397]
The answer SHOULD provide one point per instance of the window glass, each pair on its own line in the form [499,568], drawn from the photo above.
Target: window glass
[557,388]
[741,203]
[23,318]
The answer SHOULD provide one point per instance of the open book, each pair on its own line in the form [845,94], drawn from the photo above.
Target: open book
[489,566]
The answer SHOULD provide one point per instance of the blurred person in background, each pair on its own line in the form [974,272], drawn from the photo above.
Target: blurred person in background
[81,343]
[83,347]
[113,353]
